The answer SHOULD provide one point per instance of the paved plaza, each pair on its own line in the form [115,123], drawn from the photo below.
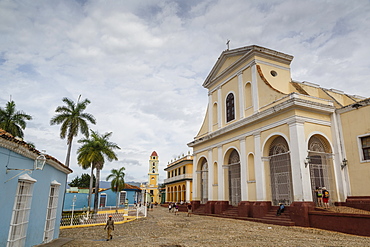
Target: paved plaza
[162,228]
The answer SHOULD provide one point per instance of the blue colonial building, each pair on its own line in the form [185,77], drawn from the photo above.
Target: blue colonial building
[32,190]
[107,198]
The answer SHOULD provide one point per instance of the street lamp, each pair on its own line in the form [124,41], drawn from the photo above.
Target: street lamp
[145,202]
[307,161]
[73,207]
[37,165]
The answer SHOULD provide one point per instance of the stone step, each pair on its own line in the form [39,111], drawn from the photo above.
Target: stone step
[231,211]
[272,218]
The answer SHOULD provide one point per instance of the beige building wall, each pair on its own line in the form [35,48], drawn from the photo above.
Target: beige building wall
[356,124]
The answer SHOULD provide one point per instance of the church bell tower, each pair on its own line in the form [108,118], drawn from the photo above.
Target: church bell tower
[153,177]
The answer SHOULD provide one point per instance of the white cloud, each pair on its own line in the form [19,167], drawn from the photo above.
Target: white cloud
[142,63]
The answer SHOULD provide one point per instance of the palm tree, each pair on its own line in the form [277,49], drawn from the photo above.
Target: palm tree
[118,181]
[13,121]
[73,120]
[83,160]
[95,150]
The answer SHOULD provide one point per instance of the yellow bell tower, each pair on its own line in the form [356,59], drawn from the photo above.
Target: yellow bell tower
[153,175]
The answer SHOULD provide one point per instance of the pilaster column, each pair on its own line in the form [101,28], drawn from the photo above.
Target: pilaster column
[221,185]
[195,178]
[241,95]
[210,175]
[210,113]
[254,88]
[341,175]
[243,171]
[298,153]
[259,169]
[187,195]
[220,106]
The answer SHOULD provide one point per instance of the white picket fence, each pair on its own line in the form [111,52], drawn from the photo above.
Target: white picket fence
[83,219]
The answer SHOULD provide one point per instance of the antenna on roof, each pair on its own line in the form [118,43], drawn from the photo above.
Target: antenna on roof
[228,44]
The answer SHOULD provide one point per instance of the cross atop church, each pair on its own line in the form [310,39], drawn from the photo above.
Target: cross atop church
[228,43]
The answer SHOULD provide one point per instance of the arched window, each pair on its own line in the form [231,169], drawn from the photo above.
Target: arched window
[183,194]
[204,182]
[320,156]
[234,178]
[280,172]
[230,107]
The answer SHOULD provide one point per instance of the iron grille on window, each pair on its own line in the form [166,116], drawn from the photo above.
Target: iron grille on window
[280,172]
[234,178]
[320,164]
[204,182]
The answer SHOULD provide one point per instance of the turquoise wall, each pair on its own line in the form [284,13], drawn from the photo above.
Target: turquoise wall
[82,198]
[41,190]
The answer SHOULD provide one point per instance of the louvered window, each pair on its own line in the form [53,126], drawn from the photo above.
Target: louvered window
[51,213]
[21,213]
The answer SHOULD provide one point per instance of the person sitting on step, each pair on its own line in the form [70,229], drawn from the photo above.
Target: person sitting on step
[280,209]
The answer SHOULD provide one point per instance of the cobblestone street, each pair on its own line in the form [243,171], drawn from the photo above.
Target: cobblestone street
[162,228]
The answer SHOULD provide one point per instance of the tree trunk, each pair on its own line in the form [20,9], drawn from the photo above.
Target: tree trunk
[96,198]
[90,187]
[68,153]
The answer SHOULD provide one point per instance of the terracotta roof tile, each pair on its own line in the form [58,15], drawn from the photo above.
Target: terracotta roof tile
[9,137]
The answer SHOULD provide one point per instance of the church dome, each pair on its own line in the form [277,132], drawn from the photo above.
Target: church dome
[154,153]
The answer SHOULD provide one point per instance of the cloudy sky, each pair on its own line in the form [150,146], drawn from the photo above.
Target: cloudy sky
[142,63]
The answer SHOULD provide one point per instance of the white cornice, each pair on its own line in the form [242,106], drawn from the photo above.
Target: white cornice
[354,106]
[249,51]
[240,71]
[178,165]
[27,178]
[257,132]
[271,64]
[266,114]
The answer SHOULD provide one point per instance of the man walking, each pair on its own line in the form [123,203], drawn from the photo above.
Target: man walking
[189,209]
[109,227]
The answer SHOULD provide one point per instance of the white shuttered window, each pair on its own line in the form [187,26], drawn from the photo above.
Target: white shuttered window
[51,212]
[21,212]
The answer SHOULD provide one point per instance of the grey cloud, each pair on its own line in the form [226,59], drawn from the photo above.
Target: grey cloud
[131,162]
[142,63]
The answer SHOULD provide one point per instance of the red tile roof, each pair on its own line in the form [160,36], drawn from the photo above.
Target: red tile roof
[154,153]
[9,137]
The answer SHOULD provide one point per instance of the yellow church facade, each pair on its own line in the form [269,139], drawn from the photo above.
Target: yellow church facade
[267,139]
[151,188]
[179,180]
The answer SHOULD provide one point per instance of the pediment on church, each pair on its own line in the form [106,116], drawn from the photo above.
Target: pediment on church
[227,60]
[231,59]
